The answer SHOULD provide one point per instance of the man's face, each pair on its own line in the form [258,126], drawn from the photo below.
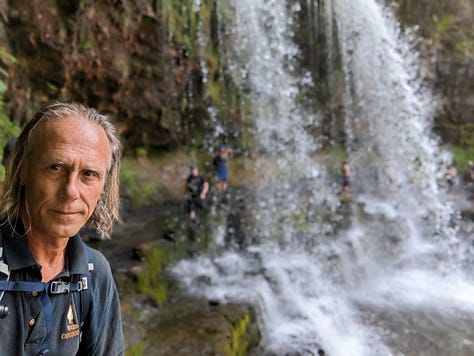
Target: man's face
[65,175]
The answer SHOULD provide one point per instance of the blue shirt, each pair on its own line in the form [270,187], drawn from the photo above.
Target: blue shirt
[23,330]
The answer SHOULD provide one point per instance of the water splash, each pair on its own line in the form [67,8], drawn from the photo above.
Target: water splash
[359,281]
[266,66]
[389,112]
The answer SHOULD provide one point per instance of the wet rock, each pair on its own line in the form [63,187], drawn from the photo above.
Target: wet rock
[190,326]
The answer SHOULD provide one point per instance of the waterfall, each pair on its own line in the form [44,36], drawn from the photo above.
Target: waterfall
[385,277]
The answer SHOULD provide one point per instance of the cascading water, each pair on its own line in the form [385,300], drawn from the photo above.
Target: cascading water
[391,279]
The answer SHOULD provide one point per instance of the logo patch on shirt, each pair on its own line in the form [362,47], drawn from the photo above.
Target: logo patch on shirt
[71,325]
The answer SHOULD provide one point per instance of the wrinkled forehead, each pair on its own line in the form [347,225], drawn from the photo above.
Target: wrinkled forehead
[71,130]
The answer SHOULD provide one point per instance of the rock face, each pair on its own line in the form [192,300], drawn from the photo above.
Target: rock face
[159,317]
[157,67]
[114,55]
[447,50]
[190,327]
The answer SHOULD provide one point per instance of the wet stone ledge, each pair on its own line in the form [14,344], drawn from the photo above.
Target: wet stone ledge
[187,326]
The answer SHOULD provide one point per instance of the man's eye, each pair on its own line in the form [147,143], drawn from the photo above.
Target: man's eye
[90,174]
[55,167]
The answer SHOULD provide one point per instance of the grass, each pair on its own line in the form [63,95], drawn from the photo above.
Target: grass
[461,156]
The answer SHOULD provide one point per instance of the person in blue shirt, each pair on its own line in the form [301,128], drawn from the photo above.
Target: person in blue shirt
[58,296]
[220,165]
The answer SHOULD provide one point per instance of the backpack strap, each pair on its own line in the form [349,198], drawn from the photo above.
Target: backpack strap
[80,284]
[4,270]
[3,266]
[83,300]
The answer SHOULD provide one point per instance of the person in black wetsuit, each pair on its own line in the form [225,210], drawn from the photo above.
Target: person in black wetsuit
[196,189]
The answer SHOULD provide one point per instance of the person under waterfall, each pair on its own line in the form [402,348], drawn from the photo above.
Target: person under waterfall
[471,170]
[450,176]
[220,165]
[346,175]
[196,189]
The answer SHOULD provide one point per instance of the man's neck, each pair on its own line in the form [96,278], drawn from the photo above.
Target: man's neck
[49,253]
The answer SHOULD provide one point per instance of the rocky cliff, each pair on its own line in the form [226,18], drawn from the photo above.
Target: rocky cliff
[447,46]
[116,55]
[156,66]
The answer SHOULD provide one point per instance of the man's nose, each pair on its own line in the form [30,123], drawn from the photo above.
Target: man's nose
[71,188]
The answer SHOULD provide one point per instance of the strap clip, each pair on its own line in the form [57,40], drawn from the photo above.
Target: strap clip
[59,287]
[82,284]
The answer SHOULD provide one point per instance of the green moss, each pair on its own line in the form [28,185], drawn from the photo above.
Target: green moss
[299,221]
[136,349]
[182,24]
[137,182]
[461,156]
[150,280]
[239,342]
[214,91]
[443,25]
[465,47]
[85,44]
[141,152]
[53,89]
[212,59]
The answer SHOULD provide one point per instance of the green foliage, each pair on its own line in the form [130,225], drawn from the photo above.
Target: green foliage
[464,49]
[85,44]
[137,182]
[141,152]
[461,156]
[333,158]
[182,23]
[214,91]
[150,280]
[443,25]
[53,89]
[461,38]
[239,342]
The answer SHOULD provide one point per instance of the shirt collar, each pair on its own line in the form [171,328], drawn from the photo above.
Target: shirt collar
[18,255]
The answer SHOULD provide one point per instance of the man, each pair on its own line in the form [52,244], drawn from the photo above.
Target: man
[60,295]
[450,175]
[196,188]
[346,175]
[220,164]
[471,170]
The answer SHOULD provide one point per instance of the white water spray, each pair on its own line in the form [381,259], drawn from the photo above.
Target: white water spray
[375,285]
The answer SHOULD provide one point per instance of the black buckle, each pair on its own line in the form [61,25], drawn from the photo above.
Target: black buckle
[59,287]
